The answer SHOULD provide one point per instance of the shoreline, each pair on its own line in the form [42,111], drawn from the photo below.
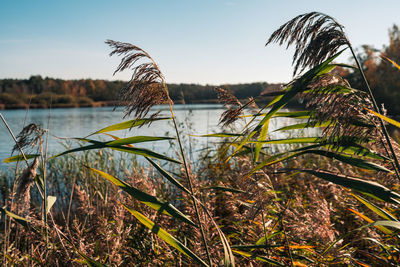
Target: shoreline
[86,105]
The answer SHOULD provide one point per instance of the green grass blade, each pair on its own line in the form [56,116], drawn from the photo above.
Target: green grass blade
[20,157]
[262,137]
[149,200]
[82,148]
[225,189]
[256,257]
[145,152]
[303,126]
[277,98]
[318,125]
[223,135]
[357,162]
[164,235]
[380,212]
[89,261]
[298,86]
[22,221]
[127,125]
[358,150]
[305,114]
[297,140]
[369,220]
[134,150]
[392,224]
[137,139]
[367,187]
[168,176]
[229,259]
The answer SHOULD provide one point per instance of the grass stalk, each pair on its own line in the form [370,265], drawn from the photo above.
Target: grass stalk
[189,180]
[7,221]
[395,162]
[14,138]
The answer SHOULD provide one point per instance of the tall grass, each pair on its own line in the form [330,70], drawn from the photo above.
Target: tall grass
[325,199]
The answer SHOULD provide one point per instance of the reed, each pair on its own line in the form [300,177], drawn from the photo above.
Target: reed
[326,198]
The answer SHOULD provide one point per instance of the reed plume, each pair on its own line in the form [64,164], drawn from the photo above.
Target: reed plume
[315,35]
[233,105]
[30,136]
[344,110]
[23,185]
[146,87]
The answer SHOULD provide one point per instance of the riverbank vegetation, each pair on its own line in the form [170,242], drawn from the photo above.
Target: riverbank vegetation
[329,197]
[38,92]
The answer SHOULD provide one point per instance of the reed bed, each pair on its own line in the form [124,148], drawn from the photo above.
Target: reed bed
[326,199]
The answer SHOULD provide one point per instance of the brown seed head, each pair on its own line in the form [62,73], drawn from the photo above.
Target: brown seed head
[316,37]
[146,87]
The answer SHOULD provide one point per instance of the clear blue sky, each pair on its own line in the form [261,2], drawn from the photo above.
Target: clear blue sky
[206,42]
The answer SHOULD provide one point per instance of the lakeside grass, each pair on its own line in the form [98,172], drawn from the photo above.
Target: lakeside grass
[325,199]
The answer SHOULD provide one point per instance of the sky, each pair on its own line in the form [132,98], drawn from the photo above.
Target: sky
[203,42]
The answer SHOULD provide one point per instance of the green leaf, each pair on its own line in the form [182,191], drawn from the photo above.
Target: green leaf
[229,259]
[225,189]
[22,221]
[387,224]
[164,235]
[20,157]
[367,187]
[256,257]
[392,224]
[169,176]
[303,126]
[89,261]
[305,114]
[262,137]
[296,87]
[127,125]
[381,212]
[357,162]
[369,220]
[134,150]
[137,139]
[223,135]
[50,202]
[263,239]
[297,140]
[149,200]
[146,153]
[356,149]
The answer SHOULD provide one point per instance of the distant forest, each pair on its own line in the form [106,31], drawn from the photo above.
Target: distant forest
[38,92]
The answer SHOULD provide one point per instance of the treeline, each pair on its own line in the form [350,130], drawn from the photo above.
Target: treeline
[45,92]
[383,76]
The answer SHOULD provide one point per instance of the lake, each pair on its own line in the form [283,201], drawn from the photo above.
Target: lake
[194,119]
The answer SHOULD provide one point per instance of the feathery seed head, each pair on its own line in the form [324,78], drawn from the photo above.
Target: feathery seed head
[147,85]
[316,37]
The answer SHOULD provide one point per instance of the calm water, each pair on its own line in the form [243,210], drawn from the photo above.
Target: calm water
[79,122]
